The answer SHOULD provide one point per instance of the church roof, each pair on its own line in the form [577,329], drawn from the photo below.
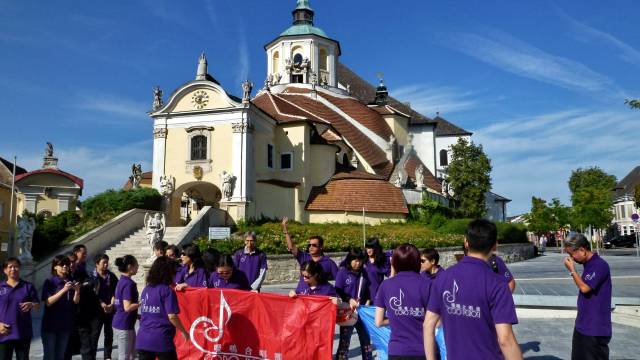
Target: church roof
[366,93]
[627,185]
[76,180]
[412,164]
[354,194]
[304,29]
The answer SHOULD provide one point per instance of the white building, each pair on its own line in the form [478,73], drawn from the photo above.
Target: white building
[624,204]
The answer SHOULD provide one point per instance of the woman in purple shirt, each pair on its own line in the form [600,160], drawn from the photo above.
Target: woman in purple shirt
[193,273]
[403,299]
[353,287]
[377,265]
[126,304]
[227,276]
[315,281]
[60,295]
[159,314]
[429,259]
[17,298]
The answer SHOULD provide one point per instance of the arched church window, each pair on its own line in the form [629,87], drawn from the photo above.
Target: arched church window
[199,147]
[444,159]
[276,62]
[324,60]
[297,58]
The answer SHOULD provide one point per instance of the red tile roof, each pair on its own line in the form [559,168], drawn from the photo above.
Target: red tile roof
[78,181]
[430,181]
[353,194]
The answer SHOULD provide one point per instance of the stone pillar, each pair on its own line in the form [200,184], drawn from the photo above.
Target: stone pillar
[242,145]
[159,150]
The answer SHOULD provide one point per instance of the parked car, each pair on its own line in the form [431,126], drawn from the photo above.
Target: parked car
[620,241]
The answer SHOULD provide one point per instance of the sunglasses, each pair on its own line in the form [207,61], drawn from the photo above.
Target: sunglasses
[307,276]
[314,245]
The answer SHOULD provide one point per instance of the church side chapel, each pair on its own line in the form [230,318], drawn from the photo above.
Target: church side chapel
[317,143]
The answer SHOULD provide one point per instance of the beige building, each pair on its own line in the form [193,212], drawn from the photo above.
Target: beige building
[6,221]
[317,143]
[49,190]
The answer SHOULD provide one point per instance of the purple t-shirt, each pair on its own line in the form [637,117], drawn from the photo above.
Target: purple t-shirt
[250,263]
[125,290]
[329,267]
[156,332]
[198,278]
[107,286]
[59,317]
[325,289]
[238,281]
[376,274]
[594,307]
[471,299]
[10,313]
[431,276]
[502,269]
[348,284]
[405,298]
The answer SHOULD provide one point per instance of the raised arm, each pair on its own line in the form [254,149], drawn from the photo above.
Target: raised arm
[290,245]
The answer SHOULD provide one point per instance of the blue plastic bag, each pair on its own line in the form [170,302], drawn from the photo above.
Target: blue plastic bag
[379,335]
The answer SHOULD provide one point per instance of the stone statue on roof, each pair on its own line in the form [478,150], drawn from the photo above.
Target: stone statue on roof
[48,151]
[157,98]
[420,177]
[247,87]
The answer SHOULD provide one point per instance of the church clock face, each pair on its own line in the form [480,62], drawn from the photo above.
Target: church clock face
[200,99]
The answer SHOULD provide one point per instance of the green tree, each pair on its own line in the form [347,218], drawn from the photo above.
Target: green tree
[591,197]
[561,213]
[540,218]
[634,104]
[469,174]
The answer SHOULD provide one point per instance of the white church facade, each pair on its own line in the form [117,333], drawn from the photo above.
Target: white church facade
[316,144]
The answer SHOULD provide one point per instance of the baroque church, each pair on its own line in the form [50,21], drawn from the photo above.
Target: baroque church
[317,143]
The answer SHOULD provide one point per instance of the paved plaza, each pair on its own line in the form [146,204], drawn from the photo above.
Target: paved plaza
[542,283]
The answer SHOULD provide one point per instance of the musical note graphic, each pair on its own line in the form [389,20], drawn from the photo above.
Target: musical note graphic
[449,296]
[396,302]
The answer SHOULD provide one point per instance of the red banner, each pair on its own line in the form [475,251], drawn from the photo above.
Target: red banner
[238,325]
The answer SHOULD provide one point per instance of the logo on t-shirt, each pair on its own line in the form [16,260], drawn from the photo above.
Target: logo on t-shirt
[211,331]
[395,303]
[591,276]
[348,281]
[144,308]
[449,298]
[3,291]
[243,259]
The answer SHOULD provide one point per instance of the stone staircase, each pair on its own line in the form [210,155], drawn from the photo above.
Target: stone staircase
[136,244]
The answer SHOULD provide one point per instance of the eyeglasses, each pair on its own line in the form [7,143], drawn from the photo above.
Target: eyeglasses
[314,245]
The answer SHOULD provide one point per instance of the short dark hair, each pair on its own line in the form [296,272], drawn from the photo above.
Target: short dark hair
[193,252]
[100,257]
[162,271]
[353,254]
[225,260]
[406,257]
[319,238]
[72,256]
[210,258]
[174,248]
[161,245]
[481,235]
[431,254]
[124,262]
[314,269]
[78,248]
[11,260]
[59,260]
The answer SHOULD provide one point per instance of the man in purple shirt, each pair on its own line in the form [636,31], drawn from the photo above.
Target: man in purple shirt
[471,299]
[499,267]
[592,331]
[251,261]
[315,253]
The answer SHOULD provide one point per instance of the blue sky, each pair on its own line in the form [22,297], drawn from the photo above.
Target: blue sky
[540,83]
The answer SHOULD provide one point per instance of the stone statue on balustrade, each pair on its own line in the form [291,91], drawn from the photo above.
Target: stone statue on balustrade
[420,177]
[136,176]
[167,185]
[155,225]
[26,227]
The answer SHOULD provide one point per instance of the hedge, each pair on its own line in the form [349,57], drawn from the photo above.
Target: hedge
[340,237]
[118,201]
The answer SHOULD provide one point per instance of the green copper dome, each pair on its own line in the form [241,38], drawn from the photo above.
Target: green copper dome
[304,4]
[304,29]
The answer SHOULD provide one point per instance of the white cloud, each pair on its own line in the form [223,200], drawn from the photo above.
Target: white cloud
[101,167]
[114,105]
[534,156]
[513,55]
[625,51]
[429,99]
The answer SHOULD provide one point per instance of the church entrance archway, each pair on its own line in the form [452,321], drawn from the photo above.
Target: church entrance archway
[189,198]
